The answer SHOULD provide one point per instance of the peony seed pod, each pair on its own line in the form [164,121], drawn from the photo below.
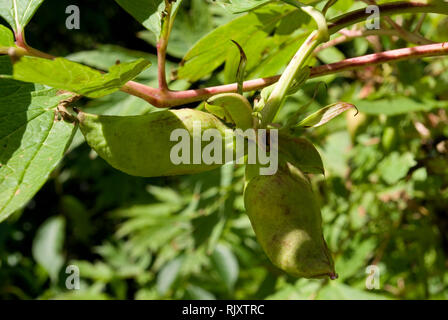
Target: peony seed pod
[142,146]
[287,221]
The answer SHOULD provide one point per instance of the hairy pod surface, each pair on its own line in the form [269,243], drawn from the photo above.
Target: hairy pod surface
[141,146]
[287,221]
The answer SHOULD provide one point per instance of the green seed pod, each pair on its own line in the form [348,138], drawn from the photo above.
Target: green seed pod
[142,146]
[287,222]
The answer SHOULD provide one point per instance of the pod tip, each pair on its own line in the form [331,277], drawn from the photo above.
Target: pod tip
[333,276]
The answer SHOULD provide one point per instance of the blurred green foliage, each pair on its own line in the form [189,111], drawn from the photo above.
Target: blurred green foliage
[384,196]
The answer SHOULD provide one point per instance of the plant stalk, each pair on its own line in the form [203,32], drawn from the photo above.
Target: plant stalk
[162,45]
[278,95]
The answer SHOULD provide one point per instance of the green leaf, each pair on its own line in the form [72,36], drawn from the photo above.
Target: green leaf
[147,12]
[226,265]
[32,141]
[188,28]
[393,106]
[324,115]
[213,50]
[330,55]
[47,246]
[5,66]
[168,275]
[18,12]
[105,56]
[335,152]
[98,271]
[354,261]
[395,166]
[198,293]
[261,45]
[254,49]
[301,153]
[167,195]
[278,58]
[63,74]
[239,6]
[6,37]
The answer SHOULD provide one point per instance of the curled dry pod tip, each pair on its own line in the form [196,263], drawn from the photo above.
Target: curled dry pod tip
[142,146]
[287,221]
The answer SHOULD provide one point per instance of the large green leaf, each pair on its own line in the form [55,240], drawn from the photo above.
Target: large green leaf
[47,246]
[32,141]
[215,48]
[64,74]
[276,60]
[6,37]
[18,12]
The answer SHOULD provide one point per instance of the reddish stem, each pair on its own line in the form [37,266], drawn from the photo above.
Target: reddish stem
[386,9]
[164,98]
[177,98]
[21,43]
[162,45]
[161,58]
[430,50]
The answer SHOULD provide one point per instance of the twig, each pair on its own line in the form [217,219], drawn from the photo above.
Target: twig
[167,99]
[406,35]
[176,98]
[348,35]
[387,9]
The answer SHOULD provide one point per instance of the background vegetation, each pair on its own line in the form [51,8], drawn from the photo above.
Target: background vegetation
[384,195]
